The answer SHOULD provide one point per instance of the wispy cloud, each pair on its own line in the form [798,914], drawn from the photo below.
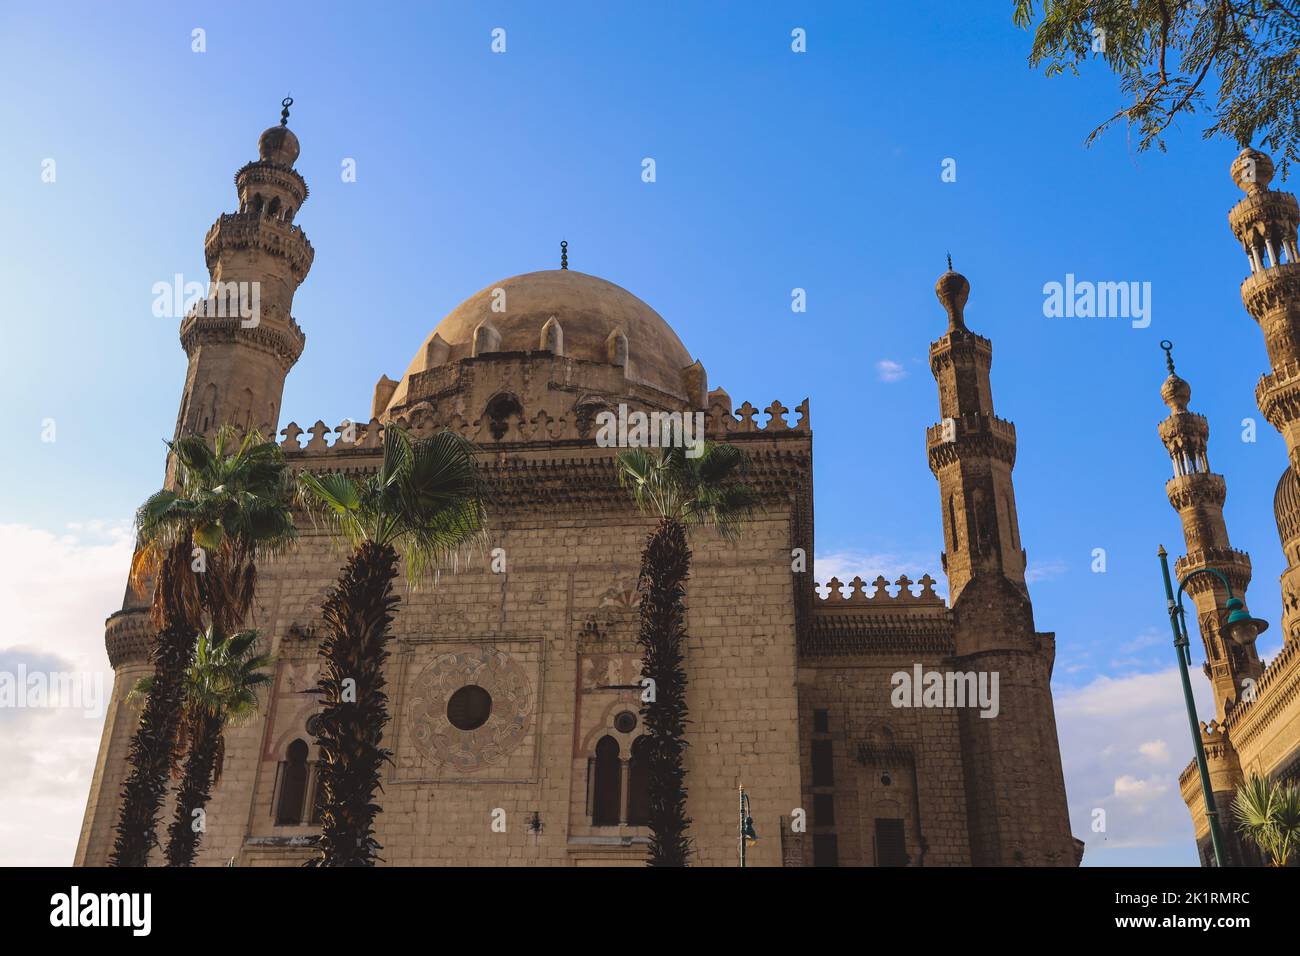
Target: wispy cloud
[1123,743]
[1044,570]
[890,371]
[56,590]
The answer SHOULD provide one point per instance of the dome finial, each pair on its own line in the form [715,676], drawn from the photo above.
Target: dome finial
[564,254]
[1175,392]
[953,290]
[284,110]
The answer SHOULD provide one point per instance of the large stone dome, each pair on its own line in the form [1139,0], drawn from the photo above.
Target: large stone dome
[589,311]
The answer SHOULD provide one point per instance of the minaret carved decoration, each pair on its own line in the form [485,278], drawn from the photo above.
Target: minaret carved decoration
[1197,494]
[1265,223]
[971,452]
[237,362]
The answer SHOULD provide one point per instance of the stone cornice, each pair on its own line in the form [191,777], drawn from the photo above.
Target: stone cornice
[1268,290]
[286,178]
[975,435]
[283,342]
[1205,488]
[886,633]
[249,230]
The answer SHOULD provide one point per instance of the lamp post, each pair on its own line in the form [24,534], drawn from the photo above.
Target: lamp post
[1242,629]
[747,832]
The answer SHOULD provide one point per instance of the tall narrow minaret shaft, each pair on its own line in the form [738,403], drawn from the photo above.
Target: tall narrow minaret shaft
[1265,222]
[242,340]
[1197,494]
[971,452]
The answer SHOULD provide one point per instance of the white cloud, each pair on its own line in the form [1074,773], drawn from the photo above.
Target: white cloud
[56,590]
[890,371]
[1124,742]
[1043,570]
[1155,750]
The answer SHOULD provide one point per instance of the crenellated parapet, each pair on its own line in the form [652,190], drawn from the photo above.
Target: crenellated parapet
[880,597]
[252,231]
[1233,564]
[542,428]
[1194,490]
[973,435]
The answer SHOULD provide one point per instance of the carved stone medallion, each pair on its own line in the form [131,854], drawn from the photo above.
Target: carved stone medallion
[508,715]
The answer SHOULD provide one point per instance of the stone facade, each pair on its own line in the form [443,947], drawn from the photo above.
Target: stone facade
[789,693]
[1256,727]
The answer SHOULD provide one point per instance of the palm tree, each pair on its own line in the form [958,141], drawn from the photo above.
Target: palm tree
[1268,813]
[427,497]
[682,493]
[220,690]
[199,544]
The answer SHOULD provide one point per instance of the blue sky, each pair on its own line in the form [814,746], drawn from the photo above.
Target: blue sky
[775,170]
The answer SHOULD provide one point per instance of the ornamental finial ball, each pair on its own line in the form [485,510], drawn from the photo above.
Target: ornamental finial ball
[953,291]
[1252,170]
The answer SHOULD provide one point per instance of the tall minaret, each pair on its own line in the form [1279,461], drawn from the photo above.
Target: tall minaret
[971,452]
[237,367]
[1015,789]
[1197,494]
[1265,223]
[242,340]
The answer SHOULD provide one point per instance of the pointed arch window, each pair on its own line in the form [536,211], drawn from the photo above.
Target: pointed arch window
[606,783]
[293,785]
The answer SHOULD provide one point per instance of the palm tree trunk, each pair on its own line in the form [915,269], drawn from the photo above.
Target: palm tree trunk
[150,756]
[357,611]
[195,791]
[665,566]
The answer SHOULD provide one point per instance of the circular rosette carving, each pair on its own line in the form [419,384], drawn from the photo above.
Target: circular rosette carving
[509,715]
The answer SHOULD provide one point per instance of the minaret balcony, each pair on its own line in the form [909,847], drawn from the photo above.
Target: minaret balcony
[1271,289]
[128,636]
[973,435]
[1203,488]
[251,230]
[1233,564]
[1261,210]
[1278,395]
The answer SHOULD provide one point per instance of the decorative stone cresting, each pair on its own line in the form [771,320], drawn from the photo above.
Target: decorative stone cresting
[719,424]
[880,597]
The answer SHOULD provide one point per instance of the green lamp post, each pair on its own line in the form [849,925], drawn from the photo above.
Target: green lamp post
[1242,629]
[748,834]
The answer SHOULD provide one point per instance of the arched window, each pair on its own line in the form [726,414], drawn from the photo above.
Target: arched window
[274,208]
[499,410]
[293,785]
[952,521]
[606,783]
[638,783]
[257,204]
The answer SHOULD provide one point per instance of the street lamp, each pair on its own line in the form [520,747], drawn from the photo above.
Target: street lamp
[1242,629]
[747,833]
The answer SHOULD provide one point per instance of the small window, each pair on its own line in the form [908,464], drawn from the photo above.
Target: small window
[823,810]
[823,773]
[469,708]
[891,847]
[821,721]
[826,850]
